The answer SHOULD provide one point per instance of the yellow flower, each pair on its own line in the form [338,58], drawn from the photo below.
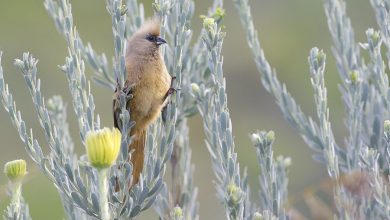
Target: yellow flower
[15,169]
[103,147]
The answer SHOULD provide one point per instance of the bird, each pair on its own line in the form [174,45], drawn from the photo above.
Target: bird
[149,84]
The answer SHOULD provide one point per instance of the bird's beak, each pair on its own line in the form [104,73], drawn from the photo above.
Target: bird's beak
[160,41]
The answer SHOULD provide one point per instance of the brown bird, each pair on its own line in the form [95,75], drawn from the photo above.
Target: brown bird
[149,82]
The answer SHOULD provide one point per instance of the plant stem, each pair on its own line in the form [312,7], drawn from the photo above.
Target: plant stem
[16,195]
[103,190]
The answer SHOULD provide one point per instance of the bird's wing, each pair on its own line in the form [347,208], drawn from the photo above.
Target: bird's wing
[116,106]
[116,110]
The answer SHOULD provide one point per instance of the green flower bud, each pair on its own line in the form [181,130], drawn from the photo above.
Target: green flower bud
[208,23]
[235,194]
[354,77]
[15,169]
[177,213]
[374,37]
[219,14]
[270,136]
[321,56]
[195,88]
[103,147]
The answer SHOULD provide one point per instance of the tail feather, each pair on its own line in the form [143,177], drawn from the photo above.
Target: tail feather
[137,157]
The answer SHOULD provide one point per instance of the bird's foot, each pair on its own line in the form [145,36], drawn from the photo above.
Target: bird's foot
[171,89]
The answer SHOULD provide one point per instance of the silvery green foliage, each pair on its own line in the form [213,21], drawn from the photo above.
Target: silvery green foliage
[18,208]
[58,113]
[135,16]
[306,126]
[273,175]
[232,187]
[212,107]
[199,75]
[75,180]
[182,194]
[60,165]
[317,60]
[184,62]
[74,70]
[62,16]
[365,92]
[22,213]
[382,10]
[352,74]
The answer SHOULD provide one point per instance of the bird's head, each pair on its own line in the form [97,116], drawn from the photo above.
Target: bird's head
[147,39]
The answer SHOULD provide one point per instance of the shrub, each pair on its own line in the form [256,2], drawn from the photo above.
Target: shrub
[358,169]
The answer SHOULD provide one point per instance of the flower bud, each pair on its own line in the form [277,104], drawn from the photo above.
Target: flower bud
[255,138]
[374,37]
[177,213]
[354,77]
[235,194]
[15,169]
[219,14]
[270,136]
[195,88]
[321,56]
[284,161]
[208,24]
[103,147]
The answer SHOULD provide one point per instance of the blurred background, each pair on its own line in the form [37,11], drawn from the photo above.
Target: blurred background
[287,31]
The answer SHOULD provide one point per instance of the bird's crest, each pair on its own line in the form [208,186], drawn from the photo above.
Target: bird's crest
[150,26]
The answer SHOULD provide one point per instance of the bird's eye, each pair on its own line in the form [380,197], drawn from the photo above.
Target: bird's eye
[151,38]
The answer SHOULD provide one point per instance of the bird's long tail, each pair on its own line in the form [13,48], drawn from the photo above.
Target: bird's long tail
[137,157]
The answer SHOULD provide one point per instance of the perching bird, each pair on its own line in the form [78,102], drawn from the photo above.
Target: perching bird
[149,82]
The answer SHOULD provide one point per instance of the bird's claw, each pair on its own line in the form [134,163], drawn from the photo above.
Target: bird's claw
[171,89]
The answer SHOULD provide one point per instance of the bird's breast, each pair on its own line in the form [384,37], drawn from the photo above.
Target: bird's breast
[148,97]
